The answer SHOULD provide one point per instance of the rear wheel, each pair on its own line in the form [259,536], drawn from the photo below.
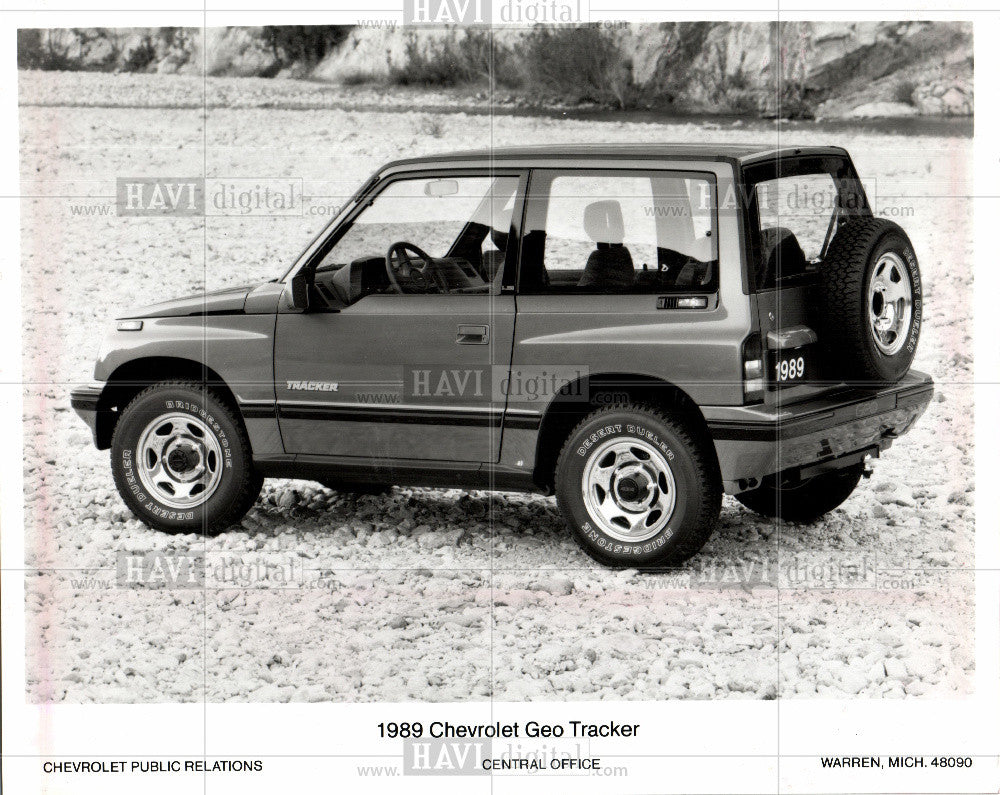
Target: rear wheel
[805,501]
[873,306]
[637,488]
[181,460]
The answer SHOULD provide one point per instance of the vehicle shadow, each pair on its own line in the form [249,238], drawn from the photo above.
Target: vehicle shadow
[527,531]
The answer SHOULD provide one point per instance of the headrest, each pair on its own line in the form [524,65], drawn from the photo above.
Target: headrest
[603,222]
[499,239]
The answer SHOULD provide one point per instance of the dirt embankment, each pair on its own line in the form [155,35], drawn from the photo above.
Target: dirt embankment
[790,69]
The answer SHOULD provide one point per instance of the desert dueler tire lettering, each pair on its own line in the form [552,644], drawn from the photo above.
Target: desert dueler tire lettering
[181,459]
[637,487]
[873,303]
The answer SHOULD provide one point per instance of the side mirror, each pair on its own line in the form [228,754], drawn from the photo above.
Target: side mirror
[300,291]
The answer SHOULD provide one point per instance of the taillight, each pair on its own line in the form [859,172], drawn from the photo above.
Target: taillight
[753,369]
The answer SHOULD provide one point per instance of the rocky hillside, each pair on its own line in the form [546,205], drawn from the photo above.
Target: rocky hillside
[832,70]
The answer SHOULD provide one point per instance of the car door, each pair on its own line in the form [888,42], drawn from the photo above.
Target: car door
[408,370]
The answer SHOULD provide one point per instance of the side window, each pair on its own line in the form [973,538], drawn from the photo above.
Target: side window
[802,206]
[445,234]
[794,207]
[620,232]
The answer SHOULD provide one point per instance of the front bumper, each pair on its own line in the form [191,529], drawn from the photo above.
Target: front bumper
[755,441]
[86,401]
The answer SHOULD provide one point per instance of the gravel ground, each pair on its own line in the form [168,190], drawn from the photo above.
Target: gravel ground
[437,594]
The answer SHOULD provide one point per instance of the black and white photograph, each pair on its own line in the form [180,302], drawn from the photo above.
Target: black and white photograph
[536,380]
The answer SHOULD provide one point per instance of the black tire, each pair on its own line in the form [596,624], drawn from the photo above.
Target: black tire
[238,485]
[343,487]
[697,486]
[806,501]
[852,351]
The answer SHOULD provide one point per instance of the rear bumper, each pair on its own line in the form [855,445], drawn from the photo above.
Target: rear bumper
[85,401]
[755,441]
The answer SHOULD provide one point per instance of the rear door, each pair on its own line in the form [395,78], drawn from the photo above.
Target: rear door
[794,208]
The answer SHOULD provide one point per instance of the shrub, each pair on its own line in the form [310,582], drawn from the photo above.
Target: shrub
[429,65]
[46,49]
[359,79]
[455,60]
[139,58]
[904,92]
[578,64]
[303,44]
[742,102]
[483,59]
[729,88]
[29,48]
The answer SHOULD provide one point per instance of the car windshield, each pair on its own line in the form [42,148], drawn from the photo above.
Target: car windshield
[321,235]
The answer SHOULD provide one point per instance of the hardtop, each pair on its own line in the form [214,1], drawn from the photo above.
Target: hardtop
[519,156]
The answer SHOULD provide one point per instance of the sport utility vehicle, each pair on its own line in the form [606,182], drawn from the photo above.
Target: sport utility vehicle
[637,329]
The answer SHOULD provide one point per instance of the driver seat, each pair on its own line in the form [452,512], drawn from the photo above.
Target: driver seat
[609,267]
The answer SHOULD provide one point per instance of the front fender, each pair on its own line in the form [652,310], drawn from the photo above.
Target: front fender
[239,348]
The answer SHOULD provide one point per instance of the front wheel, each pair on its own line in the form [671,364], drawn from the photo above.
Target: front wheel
[181,460]
[637,487]
[807,500]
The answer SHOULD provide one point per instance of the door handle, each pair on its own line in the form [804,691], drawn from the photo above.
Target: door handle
[473,335]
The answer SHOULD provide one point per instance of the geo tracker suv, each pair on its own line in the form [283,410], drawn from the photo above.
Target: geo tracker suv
[636,329]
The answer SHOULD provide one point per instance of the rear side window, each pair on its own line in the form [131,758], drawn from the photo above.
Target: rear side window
[802,206]
[602,232]
[795,206]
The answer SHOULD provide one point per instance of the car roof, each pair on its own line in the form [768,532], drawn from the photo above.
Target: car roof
[526,155]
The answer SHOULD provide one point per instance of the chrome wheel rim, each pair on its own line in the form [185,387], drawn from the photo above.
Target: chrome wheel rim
[629,489]
[180,460]
[890,303]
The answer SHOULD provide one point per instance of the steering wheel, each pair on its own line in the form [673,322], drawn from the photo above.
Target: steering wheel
[416,268]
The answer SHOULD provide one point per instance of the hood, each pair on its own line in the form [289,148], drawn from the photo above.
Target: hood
[229,301]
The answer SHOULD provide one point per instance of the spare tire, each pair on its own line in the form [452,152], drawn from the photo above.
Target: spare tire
[873,301]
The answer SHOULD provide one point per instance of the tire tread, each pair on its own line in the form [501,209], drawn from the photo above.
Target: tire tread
[844,271]
[249,484]
[706,511]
